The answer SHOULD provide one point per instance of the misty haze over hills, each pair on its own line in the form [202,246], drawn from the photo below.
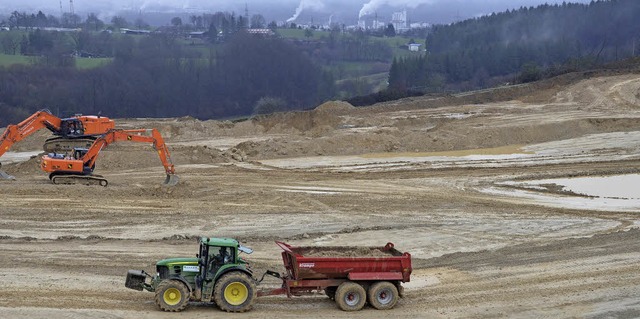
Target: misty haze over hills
[159,12]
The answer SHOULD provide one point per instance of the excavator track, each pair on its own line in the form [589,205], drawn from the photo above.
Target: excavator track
[63,145]
[79,179]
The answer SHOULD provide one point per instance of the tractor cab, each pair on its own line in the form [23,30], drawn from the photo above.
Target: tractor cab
[218,256]
[219,253]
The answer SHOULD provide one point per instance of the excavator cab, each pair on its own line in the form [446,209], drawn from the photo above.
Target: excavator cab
[71,127]
[78,152]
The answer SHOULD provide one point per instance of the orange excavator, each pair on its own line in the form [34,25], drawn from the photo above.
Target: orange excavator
[70,133]
[79,165]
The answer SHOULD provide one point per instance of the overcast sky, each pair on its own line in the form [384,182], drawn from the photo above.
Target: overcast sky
[301,11]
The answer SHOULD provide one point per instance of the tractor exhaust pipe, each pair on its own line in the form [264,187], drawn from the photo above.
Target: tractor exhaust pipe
[171,180]
[5,175]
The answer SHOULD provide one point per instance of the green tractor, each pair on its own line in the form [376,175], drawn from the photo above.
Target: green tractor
[217,274]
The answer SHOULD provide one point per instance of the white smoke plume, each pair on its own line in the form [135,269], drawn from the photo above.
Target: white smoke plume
[306,4]
[373,5]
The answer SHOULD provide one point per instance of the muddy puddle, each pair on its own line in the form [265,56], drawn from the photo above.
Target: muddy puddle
[611,193]
[617,187]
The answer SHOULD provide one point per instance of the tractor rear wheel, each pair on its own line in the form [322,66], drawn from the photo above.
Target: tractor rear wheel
[235,292]
[172,295]
[350,296]
[383,295]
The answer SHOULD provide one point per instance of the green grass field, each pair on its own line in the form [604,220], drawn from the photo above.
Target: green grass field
[81,63]
[90,63]
[7,60]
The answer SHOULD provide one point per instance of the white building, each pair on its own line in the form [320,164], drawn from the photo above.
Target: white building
[399,20]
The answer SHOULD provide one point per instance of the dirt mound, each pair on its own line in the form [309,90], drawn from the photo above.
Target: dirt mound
[335,106]
[29,167]
[142,156]
[296,122]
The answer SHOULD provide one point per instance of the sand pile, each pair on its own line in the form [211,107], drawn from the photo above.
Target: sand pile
[29,167]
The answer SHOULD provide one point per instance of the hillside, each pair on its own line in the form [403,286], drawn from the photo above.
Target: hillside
[524,45]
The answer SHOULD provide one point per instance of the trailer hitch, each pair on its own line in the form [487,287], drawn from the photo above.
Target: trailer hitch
[270,273]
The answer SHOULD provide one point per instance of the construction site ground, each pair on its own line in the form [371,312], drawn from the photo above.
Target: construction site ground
[469,184]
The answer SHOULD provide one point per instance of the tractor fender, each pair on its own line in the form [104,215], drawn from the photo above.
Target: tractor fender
[230,269]
[181,279]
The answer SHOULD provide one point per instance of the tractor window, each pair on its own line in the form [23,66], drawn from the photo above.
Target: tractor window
[221,255]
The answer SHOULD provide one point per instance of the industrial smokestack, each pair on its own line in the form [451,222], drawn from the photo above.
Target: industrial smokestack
[373,5]
[306,4]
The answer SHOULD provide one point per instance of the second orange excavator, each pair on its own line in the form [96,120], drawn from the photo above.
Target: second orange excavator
[78,166]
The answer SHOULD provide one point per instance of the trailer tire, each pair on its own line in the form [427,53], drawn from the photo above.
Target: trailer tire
[235,292]
[350,296]
[172,295]
[383,295]
[330,292]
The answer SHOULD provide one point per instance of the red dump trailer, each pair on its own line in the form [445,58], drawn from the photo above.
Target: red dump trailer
[349,275]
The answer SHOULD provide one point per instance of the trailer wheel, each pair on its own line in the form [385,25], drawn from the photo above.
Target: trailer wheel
[383,295]
[330,292]
[172,295]
[350,296]
[235,292]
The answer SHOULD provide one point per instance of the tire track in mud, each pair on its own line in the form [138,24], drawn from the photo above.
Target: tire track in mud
[521,279]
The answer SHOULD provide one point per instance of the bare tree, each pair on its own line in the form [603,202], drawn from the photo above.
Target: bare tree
[119,22]
[10,42]
[176,21]
[141,24]
[257,21]
[93,22]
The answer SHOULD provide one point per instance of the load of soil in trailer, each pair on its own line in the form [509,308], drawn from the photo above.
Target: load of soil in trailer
[344,252]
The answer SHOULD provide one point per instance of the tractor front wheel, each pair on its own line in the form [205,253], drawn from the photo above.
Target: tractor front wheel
[172,295]
[350,296]
[235,292]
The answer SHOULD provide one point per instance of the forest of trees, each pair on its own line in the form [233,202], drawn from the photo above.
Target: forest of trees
[482,52]
[232,73]
[156,76]
[161,74]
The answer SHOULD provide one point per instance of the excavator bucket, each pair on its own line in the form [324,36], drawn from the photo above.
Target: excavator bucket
[171,180]
[4,175]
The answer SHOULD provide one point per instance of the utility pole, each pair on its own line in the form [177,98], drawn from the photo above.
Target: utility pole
[71,10]
[375,21]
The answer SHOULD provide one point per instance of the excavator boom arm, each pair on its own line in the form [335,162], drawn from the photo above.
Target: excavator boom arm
[37,121]
[155,138]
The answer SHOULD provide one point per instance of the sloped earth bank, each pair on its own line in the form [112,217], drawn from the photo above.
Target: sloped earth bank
[440,177]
